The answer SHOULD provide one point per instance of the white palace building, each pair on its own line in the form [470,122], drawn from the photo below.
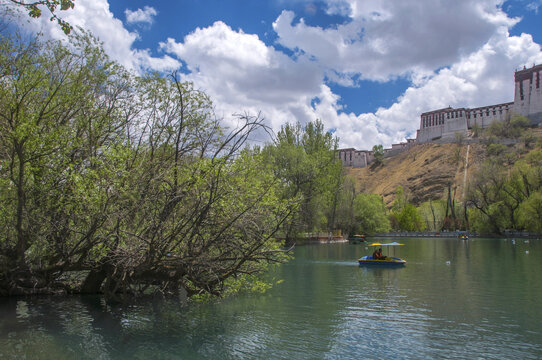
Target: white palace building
[443,124]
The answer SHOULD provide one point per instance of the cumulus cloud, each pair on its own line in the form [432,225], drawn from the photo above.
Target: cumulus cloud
[387,38]
[145,15]
[241,73]
[118,42]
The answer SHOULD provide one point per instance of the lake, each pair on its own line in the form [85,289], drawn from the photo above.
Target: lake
[455,299]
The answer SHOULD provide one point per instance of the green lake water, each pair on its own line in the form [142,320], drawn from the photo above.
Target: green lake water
[454,299]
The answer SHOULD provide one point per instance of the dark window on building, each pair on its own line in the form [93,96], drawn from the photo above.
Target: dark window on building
[538,79]
[521,90]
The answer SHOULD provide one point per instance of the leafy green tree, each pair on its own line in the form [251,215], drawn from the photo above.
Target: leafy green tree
[305,161]
[345,214]
[371,214]
[404,215]
[378,153]
[484,193]
[128,183]
[512,127]
[530,213]
[504,196]
[433,213]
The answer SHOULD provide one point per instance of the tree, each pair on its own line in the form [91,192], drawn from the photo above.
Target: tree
[509,128]
[530,213]
[128,183]
[484,193]
[378,153]
[404,215]
[504,195]
[345,210]
[305,161]
[370,214]
[433,213]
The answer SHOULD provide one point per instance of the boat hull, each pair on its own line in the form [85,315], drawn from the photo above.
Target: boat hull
[388,261]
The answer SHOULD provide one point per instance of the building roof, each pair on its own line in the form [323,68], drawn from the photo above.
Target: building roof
[527,74]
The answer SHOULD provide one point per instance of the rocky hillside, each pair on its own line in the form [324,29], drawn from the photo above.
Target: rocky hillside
[424,171]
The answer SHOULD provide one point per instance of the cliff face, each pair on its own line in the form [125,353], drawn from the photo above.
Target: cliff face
[424,171]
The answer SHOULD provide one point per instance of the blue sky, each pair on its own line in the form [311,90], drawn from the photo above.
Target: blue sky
[366,68]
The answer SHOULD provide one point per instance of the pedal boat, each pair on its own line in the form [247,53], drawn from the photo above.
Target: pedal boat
[388,261]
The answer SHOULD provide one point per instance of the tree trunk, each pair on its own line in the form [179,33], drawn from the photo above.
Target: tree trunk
[93,282]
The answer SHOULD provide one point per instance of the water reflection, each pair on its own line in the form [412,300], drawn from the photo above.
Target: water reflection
[454,299]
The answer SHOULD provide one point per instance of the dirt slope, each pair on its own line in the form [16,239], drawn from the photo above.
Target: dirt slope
[424,171]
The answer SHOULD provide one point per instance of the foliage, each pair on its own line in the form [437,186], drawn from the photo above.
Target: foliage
[476,130]
[345,213]
[370,214]
[433,214]
[404,215]
[506,195]
[305,162]
[530,213]
[459,137]
[378,153]
[496,149]
[509,128]
[129,182]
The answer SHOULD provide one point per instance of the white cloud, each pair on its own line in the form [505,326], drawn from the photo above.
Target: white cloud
[387,38]
[241,73]
[118,42]
[144,15]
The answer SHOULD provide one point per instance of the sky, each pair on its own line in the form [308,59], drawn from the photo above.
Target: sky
[366,68]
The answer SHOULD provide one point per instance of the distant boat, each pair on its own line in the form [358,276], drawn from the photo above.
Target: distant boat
[356,239]
[387,261]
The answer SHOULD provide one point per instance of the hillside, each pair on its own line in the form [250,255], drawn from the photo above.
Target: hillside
[424,171]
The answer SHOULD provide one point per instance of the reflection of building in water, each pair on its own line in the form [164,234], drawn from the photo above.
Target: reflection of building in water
[443,124]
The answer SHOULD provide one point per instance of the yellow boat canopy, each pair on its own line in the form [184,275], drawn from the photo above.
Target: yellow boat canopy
[387,244]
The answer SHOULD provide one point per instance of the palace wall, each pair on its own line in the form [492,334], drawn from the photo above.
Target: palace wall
[528,93]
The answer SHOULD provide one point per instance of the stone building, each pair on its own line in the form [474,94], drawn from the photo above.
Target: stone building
[362,158]
[445,123]
[355,158]
[528,94]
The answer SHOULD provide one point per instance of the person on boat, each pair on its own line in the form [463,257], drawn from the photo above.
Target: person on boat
[379,255]
[375,254]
